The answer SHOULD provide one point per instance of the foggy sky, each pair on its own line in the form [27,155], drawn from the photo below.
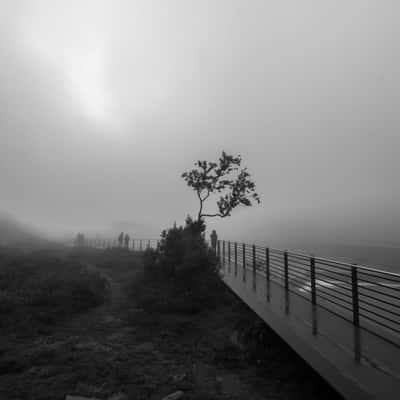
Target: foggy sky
[103,104]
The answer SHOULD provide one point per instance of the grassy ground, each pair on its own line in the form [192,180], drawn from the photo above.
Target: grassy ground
[121,348]
[40,288]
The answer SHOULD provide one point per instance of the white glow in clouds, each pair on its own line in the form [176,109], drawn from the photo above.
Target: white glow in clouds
[87,78]
[111,63]
[78,50]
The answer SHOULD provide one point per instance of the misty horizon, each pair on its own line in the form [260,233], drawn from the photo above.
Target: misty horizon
[99,121]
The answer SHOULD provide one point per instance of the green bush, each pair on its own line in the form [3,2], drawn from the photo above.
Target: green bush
[181,275]
[38,289]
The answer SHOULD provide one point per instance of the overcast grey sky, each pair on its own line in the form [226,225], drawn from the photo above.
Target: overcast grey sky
[104,103]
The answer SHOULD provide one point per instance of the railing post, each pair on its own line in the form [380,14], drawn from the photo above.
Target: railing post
[267,273]
[219,252]
[254,269]
[244,261]
[140,245]
[354,292]
[286,261]
[229,257]
[236,264]
[148,244]
[312,281]
[223,253]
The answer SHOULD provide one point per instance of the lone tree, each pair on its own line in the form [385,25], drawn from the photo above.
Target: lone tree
[226,178]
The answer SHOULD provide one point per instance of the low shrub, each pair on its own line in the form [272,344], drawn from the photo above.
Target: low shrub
[181,275]
[37,290]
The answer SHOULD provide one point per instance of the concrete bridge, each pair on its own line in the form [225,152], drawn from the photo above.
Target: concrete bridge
[344,320]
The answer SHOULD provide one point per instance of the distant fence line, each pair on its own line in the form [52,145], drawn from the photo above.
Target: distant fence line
[134,244]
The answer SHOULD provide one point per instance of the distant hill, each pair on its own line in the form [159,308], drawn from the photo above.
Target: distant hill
[13,232]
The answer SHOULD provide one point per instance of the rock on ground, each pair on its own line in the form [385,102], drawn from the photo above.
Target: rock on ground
[174,396]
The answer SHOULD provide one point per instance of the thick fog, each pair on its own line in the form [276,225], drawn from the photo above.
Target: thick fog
[103,104]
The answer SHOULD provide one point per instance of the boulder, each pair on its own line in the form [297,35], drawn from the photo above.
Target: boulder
[174,396]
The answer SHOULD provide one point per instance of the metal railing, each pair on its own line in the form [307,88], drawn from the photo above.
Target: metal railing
[134,244]
[368,298]
[142,244]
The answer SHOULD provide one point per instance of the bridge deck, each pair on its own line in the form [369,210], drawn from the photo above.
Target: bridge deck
[359,364]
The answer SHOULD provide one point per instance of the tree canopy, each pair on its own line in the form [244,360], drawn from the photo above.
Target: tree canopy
[225,178]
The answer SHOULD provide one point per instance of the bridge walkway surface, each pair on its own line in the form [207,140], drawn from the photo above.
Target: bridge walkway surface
[361,361]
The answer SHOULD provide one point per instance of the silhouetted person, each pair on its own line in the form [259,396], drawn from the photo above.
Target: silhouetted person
[80,240]
[127,239]
[214,239]
[121,239]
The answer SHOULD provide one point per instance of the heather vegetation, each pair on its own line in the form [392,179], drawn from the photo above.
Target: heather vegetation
[38,289]
[177,329]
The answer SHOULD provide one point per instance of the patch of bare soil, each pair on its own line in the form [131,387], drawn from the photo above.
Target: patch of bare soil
[118,351]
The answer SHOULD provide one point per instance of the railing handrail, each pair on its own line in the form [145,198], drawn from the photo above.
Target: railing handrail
[317,258]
